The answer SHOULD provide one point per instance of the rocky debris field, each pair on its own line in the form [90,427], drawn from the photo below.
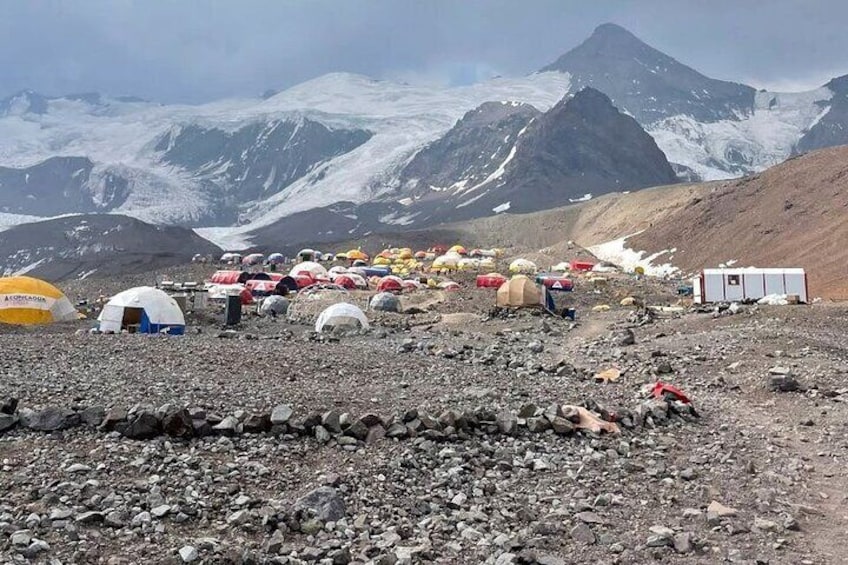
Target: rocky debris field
[476,436]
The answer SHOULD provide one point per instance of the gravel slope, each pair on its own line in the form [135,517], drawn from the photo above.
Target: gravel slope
[481,494]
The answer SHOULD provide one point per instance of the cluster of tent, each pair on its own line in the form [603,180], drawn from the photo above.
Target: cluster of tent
[252,259]
[400,261]
[31,301]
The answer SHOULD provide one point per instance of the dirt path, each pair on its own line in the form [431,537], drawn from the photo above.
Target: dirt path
[805,432]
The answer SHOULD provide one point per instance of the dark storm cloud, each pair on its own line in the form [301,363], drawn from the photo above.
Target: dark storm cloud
[193,50]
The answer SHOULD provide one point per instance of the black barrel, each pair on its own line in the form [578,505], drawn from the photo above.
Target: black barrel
[233,312]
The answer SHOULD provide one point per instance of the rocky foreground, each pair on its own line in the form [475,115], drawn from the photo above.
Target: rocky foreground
[476,438]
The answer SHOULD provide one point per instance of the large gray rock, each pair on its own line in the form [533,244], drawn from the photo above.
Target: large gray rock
[177,423]
[113,418]
[281,414]
[624,337]
[324,503]
[506,422]
[50,419]
[7,422]
[93,415]
[144,425]
[9,405]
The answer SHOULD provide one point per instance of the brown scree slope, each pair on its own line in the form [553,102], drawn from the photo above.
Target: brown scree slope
[792,215]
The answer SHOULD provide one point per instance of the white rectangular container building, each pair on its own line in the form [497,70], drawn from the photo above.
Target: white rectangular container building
[737,285]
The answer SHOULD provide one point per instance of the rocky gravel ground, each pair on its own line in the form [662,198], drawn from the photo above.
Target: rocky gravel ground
[457,435]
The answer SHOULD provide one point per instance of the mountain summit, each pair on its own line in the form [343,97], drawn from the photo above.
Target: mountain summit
[647,83]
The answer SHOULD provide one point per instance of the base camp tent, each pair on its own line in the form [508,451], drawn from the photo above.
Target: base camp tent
[28,301]
[522,292]
[145,309]
[274,305]
[523,266]
[341,315]
[385,302]
[729,285]
[311,267]
[517,292]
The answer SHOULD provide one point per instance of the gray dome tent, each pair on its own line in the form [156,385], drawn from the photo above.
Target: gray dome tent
[385,302]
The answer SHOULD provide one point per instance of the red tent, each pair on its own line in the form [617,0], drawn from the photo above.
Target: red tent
[260,287]
[582,264]
[493,280]
[345,281]
[390,284]
[558,283]
[225,277]
[246,296]
[304,279]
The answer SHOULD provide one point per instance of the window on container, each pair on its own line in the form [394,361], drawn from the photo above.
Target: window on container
[733,280]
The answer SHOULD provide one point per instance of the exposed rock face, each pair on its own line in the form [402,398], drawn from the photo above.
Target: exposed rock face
[60,185]
[832,128]
[258,160]
[582,145]
[65,247]
[472,150]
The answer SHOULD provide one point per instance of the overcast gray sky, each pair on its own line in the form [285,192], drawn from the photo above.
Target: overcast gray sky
[198,50]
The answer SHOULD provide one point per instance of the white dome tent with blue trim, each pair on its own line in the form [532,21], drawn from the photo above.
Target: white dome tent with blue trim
[142,309]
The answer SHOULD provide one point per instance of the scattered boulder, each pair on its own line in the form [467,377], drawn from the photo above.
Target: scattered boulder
[781,379]
[188,554]
[281,414]
[229,426]
[144,425]
[684,542]
[623,337]
[717,511]
[112,418]
[50,419]
[323,503]
[177,423]
[92,415]
[583,534]
[9,405]
[7,421]
[257,423]
[506,422]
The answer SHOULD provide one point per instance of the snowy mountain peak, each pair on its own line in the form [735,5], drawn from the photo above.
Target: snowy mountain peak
[647,83]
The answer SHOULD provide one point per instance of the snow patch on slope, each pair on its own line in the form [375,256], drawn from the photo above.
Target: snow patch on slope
[617,253]
[502,207]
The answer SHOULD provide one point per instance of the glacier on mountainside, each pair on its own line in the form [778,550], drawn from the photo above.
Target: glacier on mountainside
[120,138]
[728,148]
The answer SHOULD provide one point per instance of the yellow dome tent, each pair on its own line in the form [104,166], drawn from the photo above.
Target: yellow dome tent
[29,301]
[357,255]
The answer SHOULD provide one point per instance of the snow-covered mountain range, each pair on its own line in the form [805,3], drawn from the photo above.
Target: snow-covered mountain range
[343,154]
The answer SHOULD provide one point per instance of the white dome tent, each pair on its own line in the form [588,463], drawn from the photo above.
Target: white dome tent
[341,315]
[145,308]
[311,267]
